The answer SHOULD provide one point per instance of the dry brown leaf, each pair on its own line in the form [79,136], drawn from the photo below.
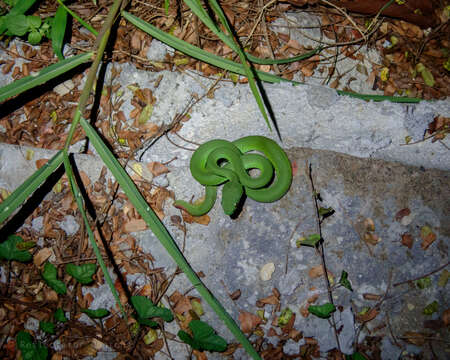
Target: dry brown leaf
[402,213]
[371,238]
[134,225]
[446,317]
[407,240]
[368,316]
[235,294]
[183,305]
[415,338]
[202,220]
[41,162]
[428,237]
[156,168]
[248,321]
[200,355]
[269,300]
[41,256]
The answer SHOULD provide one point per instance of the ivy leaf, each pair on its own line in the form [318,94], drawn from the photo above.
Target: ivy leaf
[34,21]
[30,350]
[34,37]
[59,315]
[146,309]
[49,275]
[9,249]
[323,311]
[326,212]
[344,281]
[204,337]
[16,24]
[82,273]
[96,314]
[47,327]
[312,240]
[431,308]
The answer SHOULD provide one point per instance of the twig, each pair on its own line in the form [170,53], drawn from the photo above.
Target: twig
[423,276]
[347,16]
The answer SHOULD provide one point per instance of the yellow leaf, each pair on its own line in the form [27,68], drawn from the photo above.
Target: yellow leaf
[384,75]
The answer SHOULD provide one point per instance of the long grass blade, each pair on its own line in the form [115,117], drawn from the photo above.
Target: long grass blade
[58,31]
[78,18]
[162,234]
[13,201]
[79,200]
[43,76]
[232,43]
[237,68]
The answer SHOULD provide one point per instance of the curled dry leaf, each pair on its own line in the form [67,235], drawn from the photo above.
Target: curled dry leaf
[248,321]
[402,213]
[41,256]
[156,168]
[369,225]
[368,316]
[270,300]
[202,220]
[235,294]
[415,338]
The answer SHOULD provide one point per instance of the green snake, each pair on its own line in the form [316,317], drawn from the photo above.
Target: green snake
[219,162]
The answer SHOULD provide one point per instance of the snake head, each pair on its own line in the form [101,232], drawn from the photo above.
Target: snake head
[232,193]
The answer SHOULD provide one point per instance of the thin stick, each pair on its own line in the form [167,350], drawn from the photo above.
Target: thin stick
[423,276]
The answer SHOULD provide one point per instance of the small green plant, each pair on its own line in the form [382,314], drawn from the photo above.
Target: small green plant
[82,273]
[30,350]
[50,277]
[47,327]
[16,23]
[60,316]
[323,311]
[146,309]
[203,337]
[14,248]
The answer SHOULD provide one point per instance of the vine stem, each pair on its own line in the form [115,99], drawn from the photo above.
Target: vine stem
[321,253]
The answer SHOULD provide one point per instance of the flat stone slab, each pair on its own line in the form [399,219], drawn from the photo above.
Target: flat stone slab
[231,252]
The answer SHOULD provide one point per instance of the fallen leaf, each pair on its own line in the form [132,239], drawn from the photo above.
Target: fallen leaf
[428,237]
[156,168]
[235,294]
[368,316]
[202,220]
[407,240]
[42,256]
[446,317]
[134,225]
[402,213]
[270,300]
[414,338]
[248,321]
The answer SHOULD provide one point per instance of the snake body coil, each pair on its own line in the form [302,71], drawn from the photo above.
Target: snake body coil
[219,162]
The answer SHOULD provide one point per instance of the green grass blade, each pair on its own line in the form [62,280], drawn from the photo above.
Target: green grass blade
[79,200]
[162,234]
[58,31]
[43,76]
[78,18]
[13,201]
[234,67]
[228,39]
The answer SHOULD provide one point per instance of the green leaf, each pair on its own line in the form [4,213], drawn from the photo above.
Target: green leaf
[34,22]
[96,314]
[30,350]
[47,327]
[26,245]
[204,337]
[49,275]
[424,283]
[166,7]
[355,356]
[323,311]
[16,24]
[311,240]
[325,212]
[34,37]
[285,317]
[82,273]
[432,308]
[60,316]
[146,309]
[9,249]
[58,31]
[43,76]
[344,281]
